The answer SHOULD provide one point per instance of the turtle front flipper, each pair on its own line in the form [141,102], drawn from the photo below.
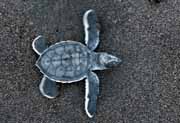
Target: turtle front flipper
[92,91]
[91,30]
[48,88]
[39,45]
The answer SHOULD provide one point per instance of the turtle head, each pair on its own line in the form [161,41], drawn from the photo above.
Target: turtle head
[107,60]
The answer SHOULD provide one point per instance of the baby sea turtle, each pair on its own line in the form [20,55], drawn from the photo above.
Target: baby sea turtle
[71,61]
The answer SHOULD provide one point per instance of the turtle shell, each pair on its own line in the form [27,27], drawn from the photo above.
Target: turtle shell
[67,61]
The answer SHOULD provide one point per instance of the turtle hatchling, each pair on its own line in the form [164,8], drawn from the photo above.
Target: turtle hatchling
[71,61]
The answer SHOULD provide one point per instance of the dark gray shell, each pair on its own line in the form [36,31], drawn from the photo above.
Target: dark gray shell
[66,61]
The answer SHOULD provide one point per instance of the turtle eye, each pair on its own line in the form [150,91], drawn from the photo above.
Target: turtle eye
[156,1]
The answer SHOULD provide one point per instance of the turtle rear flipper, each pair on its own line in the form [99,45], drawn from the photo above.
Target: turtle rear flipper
[39,45]
[92,91]
[48,88]
[91,30]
